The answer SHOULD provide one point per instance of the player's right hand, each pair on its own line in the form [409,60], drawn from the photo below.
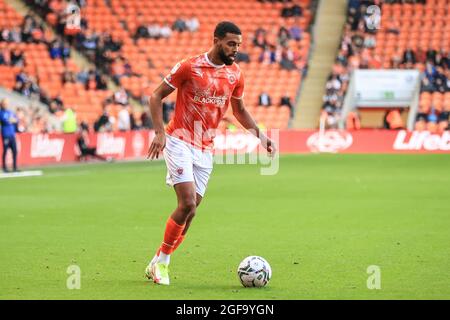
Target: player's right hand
[158,144]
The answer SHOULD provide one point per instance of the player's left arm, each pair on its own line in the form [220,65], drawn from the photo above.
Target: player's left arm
[246,120]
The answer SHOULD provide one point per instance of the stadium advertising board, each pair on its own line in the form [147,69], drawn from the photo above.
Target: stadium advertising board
[37,149]
[388,87]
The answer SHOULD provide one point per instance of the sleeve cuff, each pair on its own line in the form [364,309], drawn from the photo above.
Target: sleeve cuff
[170,85]
[238,98]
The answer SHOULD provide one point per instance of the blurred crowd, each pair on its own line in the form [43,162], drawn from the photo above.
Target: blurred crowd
[356,52]
[154,30]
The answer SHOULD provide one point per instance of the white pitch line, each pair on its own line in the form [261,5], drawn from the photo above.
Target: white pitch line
[21,174]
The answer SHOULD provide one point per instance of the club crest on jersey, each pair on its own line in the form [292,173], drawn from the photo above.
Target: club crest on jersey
[232,78]
[180,171]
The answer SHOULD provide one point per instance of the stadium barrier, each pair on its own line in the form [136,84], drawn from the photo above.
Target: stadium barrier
[40,149]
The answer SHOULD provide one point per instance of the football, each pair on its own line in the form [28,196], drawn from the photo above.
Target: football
[254,271]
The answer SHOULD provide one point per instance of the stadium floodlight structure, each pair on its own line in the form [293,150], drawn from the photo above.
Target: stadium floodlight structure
[383,89]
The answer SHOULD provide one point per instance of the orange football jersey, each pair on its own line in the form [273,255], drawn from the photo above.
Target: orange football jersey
[204,93]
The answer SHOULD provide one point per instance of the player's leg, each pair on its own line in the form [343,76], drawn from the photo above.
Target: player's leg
[183,234]
[14,153]
[191,216]
[188,223]
[174,228]
[178,159]
[5,142]
[202,169]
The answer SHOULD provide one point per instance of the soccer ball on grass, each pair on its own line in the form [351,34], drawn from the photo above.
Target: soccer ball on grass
[254,271]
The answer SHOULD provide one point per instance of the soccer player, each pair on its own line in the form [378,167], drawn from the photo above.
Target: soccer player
[206,84]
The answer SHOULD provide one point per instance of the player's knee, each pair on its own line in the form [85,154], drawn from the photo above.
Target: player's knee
[188,207]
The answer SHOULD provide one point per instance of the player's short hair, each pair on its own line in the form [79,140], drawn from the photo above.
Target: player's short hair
[225,27]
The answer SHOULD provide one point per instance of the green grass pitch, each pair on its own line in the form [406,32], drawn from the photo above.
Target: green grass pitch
[320,222]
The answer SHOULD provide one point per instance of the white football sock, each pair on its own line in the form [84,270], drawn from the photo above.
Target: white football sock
[163,258]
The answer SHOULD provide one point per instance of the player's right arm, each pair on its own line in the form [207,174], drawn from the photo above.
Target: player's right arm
[159,141]
[178,75]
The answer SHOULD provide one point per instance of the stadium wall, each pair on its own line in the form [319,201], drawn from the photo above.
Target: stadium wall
[43,149]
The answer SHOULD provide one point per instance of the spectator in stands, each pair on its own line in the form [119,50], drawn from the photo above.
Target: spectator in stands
[283,36]
[27,28]
[192,24]
[369,41]
[16,35]
[287,59]
[334,83]
[286,11]
[166,31]
[259,40]
[291,11]
[85,148]
[69,121]
[102,82]
[110,44]
[17,58]
[123,119]
[179,25]
[21,77]
[88,40]
[430,71]
[264,100]
[268,55]
[295,32]
[285,100]
[8,123]
[55,50]
[296,10]
[30,89]
[105,122]
[154,30]
[141,30]
[409,57]
[427,86]
[121,96]
[353,121]
[393,119]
